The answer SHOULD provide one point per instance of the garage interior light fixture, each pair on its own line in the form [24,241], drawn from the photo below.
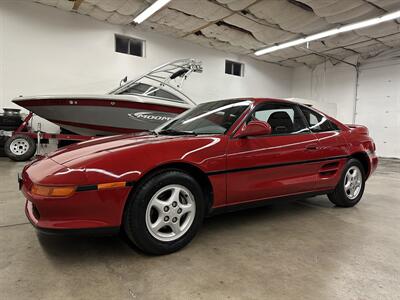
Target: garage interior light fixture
[150,10]
[324,34]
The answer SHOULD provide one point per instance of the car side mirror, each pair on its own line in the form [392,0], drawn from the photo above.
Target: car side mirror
[254,128]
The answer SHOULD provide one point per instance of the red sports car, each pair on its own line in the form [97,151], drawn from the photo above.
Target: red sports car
[158,186]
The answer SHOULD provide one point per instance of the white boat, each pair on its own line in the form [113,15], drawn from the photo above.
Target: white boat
[138,105]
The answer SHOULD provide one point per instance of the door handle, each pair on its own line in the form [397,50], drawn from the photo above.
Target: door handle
[312,147]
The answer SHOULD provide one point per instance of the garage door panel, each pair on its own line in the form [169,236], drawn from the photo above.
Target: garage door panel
[378,107]
[384,82]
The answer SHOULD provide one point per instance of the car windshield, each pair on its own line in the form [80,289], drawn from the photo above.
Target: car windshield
[207,118]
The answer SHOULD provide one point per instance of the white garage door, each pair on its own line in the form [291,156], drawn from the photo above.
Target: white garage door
[378,106]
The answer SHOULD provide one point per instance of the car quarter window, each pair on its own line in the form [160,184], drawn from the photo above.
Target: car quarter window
[316,121]
[282,117]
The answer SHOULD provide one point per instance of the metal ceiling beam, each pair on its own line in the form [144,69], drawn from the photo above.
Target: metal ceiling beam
[328,56]
[374,5]
[352,50]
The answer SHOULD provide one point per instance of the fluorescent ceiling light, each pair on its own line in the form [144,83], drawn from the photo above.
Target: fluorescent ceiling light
[323,34]
[150,10]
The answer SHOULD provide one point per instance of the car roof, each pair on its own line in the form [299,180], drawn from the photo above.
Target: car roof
[257,100]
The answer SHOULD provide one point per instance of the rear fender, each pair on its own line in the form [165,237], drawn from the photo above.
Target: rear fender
[358,129]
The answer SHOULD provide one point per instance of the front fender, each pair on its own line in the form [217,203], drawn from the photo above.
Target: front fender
[131,164]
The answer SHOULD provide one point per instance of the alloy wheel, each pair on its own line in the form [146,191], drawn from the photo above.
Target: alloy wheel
[353,182]
[170,212]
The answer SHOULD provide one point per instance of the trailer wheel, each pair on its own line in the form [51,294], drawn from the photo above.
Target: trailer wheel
[20,147]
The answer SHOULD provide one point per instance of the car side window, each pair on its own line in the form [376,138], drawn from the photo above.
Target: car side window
[282,117]
[316,121]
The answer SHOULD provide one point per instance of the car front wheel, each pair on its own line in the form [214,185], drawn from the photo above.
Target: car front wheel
[350,188]
[165,212]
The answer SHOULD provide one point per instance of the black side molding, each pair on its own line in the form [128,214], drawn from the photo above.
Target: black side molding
[93,187]
[277,165]
[84,188]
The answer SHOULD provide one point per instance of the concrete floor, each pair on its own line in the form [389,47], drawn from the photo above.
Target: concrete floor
[301,250]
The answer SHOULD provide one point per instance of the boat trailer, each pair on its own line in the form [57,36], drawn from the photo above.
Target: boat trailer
[24,143]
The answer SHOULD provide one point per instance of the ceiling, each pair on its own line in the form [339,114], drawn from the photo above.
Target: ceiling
[243,26]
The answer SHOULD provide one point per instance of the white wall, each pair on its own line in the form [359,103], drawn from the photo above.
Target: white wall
[329,84]
[378,101]
[44,50]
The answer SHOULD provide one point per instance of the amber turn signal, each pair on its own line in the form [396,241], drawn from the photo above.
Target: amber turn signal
[52,191]
[111,185]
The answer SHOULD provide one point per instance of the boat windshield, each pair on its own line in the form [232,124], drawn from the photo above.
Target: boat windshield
[151,91]
[206,118]
[164,82]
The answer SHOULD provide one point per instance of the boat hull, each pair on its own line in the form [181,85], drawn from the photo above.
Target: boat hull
[99,117]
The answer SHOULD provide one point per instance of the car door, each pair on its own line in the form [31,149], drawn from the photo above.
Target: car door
[279,164]
[332,149]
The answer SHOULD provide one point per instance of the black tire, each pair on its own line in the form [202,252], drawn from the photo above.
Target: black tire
[136,209]
[3,140]
[339,196]
[22,152]
[10,122]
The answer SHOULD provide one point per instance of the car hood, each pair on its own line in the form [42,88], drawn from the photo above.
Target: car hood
[96,148]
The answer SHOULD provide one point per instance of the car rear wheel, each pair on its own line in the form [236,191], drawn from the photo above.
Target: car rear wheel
[350,188]
[165,212]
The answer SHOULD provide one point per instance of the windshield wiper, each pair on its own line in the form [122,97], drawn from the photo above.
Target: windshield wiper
[176,132]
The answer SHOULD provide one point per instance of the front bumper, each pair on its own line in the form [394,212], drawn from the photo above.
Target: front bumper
[84,210]
[31,213]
